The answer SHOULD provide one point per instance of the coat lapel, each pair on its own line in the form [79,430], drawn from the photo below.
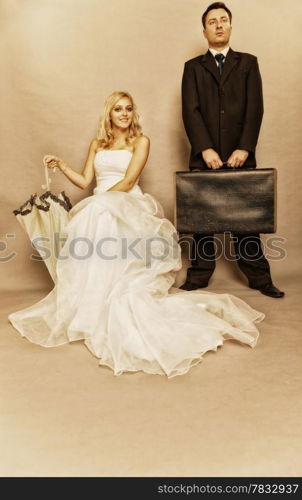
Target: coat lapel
[229,64]
[208,62]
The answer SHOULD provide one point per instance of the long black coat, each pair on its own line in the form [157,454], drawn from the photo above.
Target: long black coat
[222,112]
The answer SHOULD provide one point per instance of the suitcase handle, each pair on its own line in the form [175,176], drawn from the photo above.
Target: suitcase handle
[226,163]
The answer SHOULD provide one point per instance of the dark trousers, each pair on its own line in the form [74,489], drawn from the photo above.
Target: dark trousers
[248,253]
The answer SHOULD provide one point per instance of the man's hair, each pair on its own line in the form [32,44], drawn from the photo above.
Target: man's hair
[215,5]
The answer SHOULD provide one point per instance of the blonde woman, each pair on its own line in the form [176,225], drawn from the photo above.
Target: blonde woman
[117,268]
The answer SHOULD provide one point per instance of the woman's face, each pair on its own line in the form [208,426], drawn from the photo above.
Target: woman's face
[122,113]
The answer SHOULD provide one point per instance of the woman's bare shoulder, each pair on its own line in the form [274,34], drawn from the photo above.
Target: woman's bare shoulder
[95,144]
[141,140]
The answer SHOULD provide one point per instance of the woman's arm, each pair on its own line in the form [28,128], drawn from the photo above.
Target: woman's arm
[80,180]
[136,165]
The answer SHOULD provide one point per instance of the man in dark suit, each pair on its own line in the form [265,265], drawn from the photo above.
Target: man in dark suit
[222,113]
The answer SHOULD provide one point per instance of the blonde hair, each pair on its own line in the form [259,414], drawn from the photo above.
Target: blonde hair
[105,132]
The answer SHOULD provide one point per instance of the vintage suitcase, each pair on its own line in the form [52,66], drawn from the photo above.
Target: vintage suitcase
[235,200]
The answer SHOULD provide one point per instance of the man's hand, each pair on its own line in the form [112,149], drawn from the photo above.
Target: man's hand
[237,158]
[211,158]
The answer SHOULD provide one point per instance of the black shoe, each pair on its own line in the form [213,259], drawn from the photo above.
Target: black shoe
[189,286]
[270,290]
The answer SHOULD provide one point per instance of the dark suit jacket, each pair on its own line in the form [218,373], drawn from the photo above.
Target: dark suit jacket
[222,112]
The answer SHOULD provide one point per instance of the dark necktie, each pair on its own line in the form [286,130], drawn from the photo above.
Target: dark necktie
[220,59]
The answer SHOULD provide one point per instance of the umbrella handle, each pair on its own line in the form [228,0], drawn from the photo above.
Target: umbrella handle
[47,178]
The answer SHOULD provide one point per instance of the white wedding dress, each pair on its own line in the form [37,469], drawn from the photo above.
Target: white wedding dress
[114,287]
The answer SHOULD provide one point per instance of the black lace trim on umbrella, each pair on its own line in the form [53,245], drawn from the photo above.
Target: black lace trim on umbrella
[65,203]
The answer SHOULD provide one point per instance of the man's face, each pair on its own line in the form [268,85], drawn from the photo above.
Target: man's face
[218,28]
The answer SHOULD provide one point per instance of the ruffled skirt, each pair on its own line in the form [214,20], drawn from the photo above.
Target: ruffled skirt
[114,291]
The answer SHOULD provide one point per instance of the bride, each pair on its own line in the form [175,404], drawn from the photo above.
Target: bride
[117,266]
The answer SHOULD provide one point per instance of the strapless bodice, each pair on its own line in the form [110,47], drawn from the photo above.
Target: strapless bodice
[110,167]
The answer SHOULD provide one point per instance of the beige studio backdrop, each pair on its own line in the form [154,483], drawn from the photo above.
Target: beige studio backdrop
[61,58]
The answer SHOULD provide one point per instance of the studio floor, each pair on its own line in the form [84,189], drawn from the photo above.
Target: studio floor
[237,413]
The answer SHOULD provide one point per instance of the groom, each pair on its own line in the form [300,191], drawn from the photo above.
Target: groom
[222,112]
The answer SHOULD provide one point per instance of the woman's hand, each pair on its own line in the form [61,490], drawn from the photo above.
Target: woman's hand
[80,180]
[51,161]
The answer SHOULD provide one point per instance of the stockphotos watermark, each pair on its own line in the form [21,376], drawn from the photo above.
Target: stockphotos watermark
[147,250]
[224,246]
